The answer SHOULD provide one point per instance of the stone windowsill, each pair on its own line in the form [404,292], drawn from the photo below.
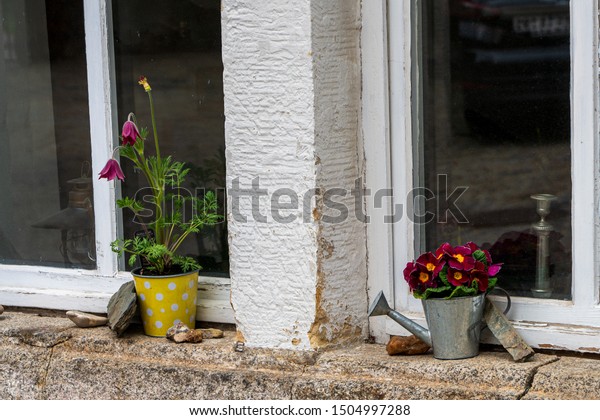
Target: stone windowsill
[45,357]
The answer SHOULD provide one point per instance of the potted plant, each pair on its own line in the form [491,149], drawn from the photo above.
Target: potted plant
[452,283]
[166,282]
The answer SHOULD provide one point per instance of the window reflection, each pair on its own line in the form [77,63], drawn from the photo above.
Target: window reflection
[179,49]
[496,113]
[46,215]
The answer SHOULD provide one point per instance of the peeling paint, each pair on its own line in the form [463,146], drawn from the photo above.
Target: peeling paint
[316,213]
[589,349]
[326,248]
[551,347]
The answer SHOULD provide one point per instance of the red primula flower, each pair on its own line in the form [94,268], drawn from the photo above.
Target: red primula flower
[458,277]
[418,278]
[459,257]
[129,133]
[111,171]
[431,263]
[480,274]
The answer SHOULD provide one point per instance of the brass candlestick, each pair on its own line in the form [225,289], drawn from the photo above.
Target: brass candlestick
[542,229]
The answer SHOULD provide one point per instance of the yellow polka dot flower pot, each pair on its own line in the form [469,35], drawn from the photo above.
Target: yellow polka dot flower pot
[166,300]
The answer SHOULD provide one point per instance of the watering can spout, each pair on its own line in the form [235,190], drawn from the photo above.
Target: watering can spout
[380,306]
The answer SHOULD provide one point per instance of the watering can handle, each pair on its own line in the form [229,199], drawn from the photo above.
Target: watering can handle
[508,301]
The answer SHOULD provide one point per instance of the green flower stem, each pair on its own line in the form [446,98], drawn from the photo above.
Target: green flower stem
[159,189]
[158,160]
[184,235]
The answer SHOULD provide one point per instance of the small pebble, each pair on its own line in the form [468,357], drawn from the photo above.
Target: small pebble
[406,345]
[192,336]
[1,309]
[180,333]
[211,333]
[85,320]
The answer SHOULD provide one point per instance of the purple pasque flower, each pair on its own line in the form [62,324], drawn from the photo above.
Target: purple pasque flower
[459,258]
[111,171]
[458,277]
[419,278]
[431,263]
[129,133]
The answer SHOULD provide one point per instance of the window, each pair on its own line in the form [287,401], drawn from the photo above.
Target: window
[493,136]
[179,49]
[445,107]
[46,211]
[68,79]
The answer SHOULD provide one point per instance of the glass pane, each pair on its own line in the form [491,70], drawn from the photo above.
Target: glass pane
[46,215]
[178,48]
[496,135]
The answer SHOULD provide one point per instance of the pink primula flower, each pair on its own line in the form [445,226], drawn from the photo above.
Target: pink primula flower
[111,171]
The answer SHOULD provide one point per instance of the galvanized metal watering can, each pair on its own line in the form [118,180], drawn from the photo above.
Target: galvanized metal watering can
[454,324]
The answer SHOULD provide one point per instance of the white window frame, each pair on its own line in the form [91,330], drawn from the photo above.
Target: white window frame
[388,132]
[90,290]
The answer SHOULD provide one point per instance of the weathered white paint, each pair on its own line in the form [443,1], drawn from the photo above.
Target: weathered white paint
[103,126]
[341,255]
[291,104]
[402,94]
[85,290]
[584,151]
[214,300]
[376,146]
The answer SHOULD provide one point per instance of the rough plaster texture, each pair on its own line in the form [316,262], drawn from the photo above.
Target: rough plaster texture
[341,255]
[292,97]
[48,358]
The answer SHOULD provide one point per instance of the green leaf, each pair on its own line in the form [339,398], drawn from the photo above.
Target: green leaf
[130,203]
[186,263]
[479,255]
[463,291]
[128,152]
[443,275]
[432,290]
[132,260]
[492,282]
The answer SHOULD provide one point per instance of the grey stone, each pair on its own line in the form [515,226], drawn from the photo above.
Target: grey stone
[85,320]
[22,371]
[122,308]
[570,378]
[1,309]
[34,330]
[94,364]
[506,334]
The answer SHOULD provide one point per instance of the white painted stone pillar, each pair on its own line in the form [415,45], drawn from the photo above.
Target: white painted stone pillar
[292,104]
